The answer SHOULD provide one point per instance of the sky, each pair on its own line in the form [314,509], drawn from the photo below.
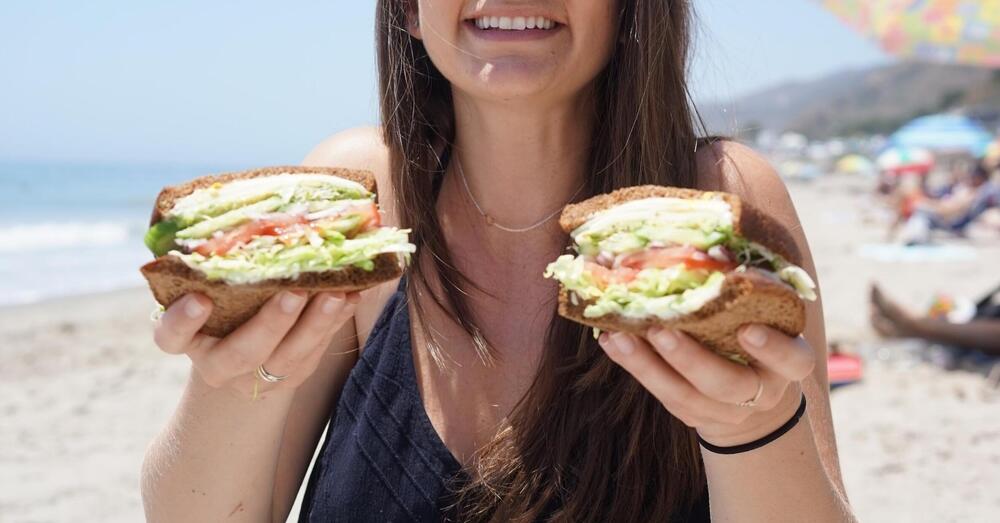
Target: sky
[259,82]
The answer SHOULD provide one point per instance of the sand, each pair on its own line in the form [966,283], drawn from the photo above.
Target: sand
[83,389]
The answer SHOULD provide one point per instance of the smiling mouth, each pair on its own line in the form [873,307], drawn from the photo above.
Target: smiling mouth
[514,23]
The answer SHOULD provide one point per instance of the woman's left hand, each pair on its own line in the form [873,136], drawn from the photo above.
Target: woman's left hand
[704,390]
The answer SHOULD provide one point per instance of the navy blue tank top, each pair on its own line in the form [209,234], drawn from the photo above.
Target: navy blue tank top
[382,460]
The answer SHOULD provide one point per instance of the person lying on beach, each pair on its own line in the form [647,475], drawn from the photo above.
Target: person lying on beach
[982,332]
[456,393]
[968,200]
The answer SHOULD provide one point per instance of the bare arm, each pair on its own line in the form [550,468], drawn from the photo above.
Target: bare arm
[218,456]
[795,477]
[800,472]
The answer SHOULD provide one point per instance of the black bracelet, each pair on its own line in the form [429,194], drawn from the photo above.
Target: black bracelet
[756,444]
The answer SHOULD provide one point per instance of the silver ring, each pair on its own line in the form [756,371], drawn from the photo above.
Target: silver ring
[752,402]
[267,376]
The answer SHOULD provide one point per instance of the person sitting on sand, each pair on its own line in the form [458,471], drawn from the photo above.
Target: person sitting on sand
[982,332]
[965,203]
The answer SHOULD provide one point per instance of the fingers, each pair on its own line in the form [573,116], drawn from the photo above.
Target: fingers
[179,325]
[354,297]
[324,316]
[790,358]
[678,395]
[251,344]
[713,376]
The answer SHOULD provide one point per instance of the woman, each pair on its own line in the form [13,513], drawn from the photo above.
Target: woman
[488,406]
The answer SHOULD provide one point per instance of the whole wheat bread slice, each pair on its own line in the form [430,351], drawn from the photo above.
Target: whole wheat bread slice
[746,297]
[170,278]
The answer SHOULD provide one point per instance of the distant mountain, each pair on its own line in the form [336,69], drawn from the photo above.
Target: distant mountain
[874,100]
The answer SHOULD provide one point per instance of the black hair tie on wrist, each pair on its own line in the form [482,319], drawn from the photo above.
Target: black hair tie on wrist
[756,444]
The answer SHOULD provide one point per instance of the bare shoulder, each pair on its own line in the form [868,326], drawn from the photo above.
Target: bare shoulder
[363,148]
[735,168]
[359,148]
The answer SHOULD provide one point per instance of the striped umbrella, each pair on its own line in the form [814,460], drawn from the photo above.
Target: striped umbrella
[962,31]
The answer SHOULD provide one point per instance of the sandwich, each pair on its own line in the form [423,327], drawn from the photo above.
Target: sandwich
[240,238]
[700,262]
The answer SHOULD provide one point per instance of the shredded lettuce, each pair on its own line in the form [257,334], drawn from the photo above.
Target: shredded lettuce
[266,257]
[800,279]
[619,299]
[669,292]
[664,293]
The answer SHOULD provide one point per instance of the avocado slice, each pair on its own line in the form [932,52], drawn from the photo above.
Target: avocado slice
[160,237]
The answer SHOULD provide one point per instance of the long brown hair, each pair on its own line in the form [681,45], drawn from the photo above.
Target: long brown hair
[587,443]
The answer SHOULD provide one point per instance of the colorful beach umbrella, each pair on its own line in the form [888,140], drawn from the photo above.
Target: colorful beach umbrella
[854,164]
[954,31]
[949,133]
[901,160]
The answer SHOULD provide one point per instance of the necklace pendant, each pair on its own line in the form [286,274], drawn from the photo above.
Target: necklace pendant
[489,220]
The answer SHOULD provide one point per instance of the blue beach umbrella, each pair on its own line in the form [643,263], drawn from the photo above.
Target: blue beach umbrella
[944,133]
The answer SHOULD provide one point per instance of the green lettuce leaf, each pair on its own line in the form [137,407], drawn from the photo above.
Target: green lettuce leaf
[266,258]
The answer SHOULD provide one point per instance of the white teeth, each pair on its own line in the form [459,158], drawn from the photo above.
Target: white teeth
[516,23]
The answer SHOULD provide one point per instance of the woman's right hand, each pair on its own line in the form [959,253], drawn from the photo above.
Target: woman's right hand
[288,336]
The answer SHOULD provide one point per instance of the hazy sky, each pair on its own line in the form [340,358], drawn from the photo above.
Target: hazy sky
[260,82]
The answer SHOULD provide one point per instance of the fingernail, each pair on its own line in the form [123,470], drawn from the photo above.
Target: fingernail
[755,335]
[192,308]
[623,342]
[290,302]
[329,304]
[664,338]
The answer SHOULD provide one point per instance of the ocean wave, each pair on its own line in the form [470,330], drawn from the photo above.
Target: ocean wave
[56,235]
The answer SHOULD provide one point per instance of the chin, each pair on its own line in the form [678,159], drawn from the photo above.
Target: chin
[510,78]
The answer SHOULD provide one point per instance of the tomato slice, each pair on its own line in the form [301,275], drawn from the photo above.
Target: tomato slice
[603,276]
[279,224]
[372,219]
[272,225]
[665,257]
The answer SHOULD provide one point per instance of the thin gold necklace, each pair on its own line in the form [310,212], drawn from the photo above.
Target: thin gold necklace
[492,222]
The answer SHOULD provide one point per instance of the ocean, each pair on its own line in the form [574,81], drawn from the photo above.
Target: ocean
[77,229]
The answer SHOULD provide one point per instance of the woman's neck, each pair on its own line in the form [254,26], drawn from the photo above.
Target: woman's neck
[520,163]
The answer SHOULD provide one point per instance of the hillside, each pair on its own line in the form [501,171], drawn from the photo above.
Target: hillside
[875,100]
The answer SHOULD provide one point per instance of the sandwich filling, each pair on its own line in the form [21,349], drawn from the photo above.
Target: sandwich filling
[663,257]
[276,227]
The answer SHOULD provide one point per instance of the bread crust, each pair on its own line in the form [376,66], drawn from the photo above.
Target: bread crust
[170,278]
[748,221]
[746,297]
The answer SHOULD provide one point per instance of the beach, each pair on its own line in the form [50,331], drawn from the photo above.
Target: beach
[84,389]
